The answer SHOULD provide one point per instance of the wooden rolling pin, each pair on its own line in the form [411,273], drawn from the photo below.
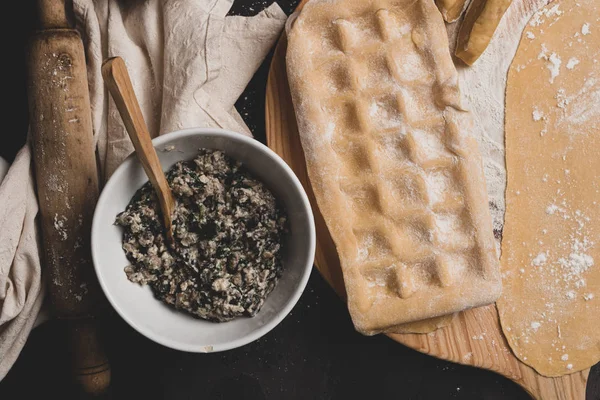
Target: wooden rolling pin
[67,185]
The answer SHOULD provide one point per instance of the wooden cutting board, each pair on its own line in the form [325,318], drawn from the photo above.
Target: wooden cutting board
[473,338]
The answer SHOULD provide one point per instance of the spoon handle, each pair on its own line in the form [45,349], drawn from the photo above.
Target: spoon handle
[116,77]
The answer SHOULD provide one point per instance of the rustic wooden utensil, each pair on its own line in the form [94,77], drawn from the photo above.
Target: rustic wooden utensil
[116,77]
[67,184]
[473,338]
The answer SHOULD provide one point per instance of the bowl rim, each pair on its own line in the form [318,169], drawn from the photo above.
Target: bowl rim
[280,314]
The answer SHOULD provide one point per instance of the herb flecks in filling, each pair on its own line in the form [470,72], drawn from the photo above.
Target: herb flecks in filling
[228,229]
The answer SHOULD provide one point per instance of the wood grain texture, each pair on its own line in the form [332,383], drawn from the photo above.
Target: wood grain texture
[67,187]
[475,337]
[53,14]
[116,77]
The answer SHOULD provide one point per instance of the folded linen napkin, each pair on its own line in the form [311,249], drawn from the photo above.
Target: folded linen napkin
[189,63]
[21,286]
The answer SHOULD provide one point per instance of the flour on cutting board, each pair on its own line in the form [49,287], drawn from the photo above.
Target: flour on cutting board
[570,259]
[573,61]
[565,267]
[553,62]
[541,16]
[537,114]
[483,88]
[585,29]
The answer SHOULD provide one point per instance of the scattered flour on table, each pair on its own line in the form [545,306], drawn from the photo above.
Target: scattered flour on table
[561,99]
[542,15]
[553,62]
[588,296]
[59,226]
[578,261]
[575,259]
[554,66]
[564,267]
[553,208]
[483,87]
[537,114]
[585,29]
[540,259]
[578,108]
[573,61]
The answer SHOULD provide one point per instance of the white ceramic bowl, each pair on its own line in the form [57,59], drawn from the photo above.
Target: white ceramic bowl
[162,323]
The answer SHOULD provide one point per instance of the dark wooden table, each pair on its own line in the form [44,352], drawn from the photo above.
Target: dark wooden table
[313,354]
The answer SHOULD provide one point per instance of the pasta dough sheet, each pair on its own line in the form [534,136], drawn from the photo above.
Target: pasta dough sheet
[550,305]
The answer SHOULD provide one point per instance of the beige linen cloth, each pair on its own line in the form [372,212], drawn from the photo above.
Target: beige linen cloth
[189,63]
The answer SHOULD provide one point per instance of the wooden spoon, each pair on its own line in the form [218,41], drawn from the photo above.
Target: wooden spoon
[119,84]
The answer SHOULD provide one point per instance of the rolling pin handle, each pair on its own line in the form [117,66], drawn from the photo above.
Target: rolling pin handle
[53,13]
[90,366]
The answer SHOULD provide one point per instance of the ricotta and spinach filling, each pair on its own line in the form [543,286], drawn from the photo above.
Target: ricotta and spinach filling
[228,230]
